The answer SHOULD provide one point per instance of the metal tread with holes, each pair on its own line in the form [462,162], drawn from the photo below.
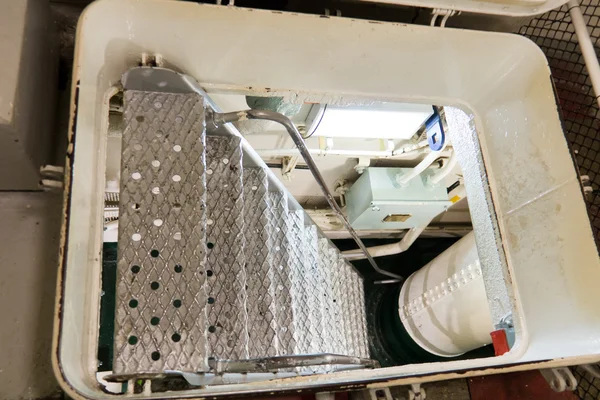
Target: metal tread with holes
[212,263]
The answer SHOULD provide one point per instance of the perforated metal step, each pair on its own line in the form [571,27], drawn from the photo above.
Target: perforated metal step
[212,262]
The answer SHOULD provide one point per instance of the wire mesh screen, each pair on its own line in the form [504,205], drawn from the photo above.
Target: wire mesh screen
[555,35]
[588,387]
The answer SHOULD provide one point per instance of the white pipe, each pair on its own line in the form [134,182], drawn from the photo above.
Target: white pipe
[388,249]
[410,147]
[444,306]
[445,170]
[322,152]
[586,45]
[433,19]
[274,153]
[111,225]
[443,23]
[422,166]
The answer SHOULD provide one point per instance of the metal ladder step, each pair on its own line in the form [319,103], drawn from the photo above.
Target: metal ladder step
[225,231]
[281,271]
[237,275]
[160,299]
[261,283]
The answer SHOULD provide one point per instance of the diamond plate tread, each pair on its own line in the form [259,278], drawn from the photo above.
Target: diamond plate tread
[313,289]
[329,327]
[160,305]
[359,325]
[312,294]
[354,310]
[363,344]
[281,275]
[262,326]
[337,295]
[299,290]
[344,317]
[226,281]
[236,275]
[354,313]
[348,313]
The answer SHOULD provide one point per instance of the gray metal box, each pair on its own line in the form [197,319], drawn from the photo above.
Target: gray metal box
[378,201]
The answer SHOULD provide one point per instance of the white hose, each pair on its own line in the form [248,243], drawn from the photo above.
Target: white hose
[388,249]
[443,23]
[422,166]
[275,153]
[433,19]
[445,170]
[586,45]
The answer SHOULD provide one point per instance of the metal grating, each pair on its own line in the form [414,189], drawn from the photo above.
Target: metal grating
[300,296]
[213,267]
[588,387]
[261,307]
[160,314]
[312,278]
[227,313]
[555,35]
[280,274]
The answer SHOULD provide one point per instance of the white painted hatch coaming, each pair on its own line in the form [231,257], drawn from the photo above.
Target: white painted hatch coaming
[500,87]
[513,8]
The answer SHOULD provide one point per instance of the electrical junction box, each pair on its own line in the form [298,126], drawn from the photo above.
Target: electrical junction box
[377,201]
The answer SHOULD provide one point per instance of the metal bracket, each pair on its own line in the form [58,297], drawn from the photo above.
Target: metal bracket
[436,137]
[272,364]
[372,394]
[560,379]
[440,12]
[287,166]
[325,143]
[338,13]
[341,187]
[52,177]
[586,183]
[325,396]
[152,60]
[363,163]
[387,144]
[508,326]
[416,392]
